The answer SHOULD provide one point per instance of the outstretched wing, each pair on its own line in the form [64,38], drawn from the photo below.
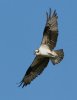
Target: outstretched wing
[50,33]
[34,70]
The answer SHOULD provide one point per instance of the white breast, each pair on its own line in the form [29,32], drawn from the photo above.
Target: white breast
[44,50]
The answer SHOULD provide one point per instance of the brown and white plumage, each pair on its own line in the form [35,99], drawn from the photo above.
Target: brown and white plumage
[50,33]
[35,69]
[45,52]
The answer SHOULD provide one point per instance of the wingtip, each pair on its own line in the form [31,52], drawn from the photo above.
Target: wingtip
[47,15]
[21,84]
[50,13]
[55,13]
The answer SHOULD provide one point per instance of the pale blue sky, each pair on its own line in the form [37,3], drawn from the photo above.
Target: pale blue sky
[21,26]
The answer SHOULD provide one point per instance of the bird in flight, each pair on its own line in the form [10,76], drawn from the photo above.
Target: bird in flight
[45,53]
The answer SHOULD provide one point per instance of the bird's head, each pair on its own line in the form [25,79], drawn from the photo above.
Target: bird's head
[37,52]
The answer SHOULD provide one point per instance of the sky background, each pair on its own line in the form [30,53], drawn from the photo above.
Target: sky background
[21,27]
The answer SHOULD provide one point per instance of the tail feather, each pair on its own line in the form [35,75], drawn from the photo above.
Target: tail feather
[59,58]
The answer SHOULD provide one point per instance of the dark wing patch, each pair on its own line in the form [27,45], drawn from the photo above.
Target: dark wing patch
[50,33]
[34,70]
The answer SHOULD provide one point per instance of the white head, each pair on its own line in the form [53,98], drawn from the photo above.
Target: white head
[37,52]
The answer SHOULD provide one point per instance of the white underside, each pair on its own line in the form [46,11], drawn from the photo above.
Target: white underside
[45,51]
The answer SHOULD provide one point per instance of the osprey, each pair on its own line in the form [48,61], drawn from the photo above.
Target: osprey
[45,51]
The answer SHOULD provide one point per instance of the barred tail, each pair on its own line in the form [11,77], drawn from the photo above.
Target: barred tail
[58,59]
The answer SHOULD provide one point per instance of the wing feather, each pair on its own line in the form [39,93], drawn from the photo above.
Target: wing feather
[50,33]
[35,69]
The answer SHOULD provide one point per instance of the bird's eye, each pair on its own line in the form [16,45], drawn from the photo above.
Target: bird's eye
[37,51]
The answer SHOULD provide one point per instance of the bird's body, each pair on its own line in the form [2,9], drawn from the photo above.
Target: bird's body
[45,51]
